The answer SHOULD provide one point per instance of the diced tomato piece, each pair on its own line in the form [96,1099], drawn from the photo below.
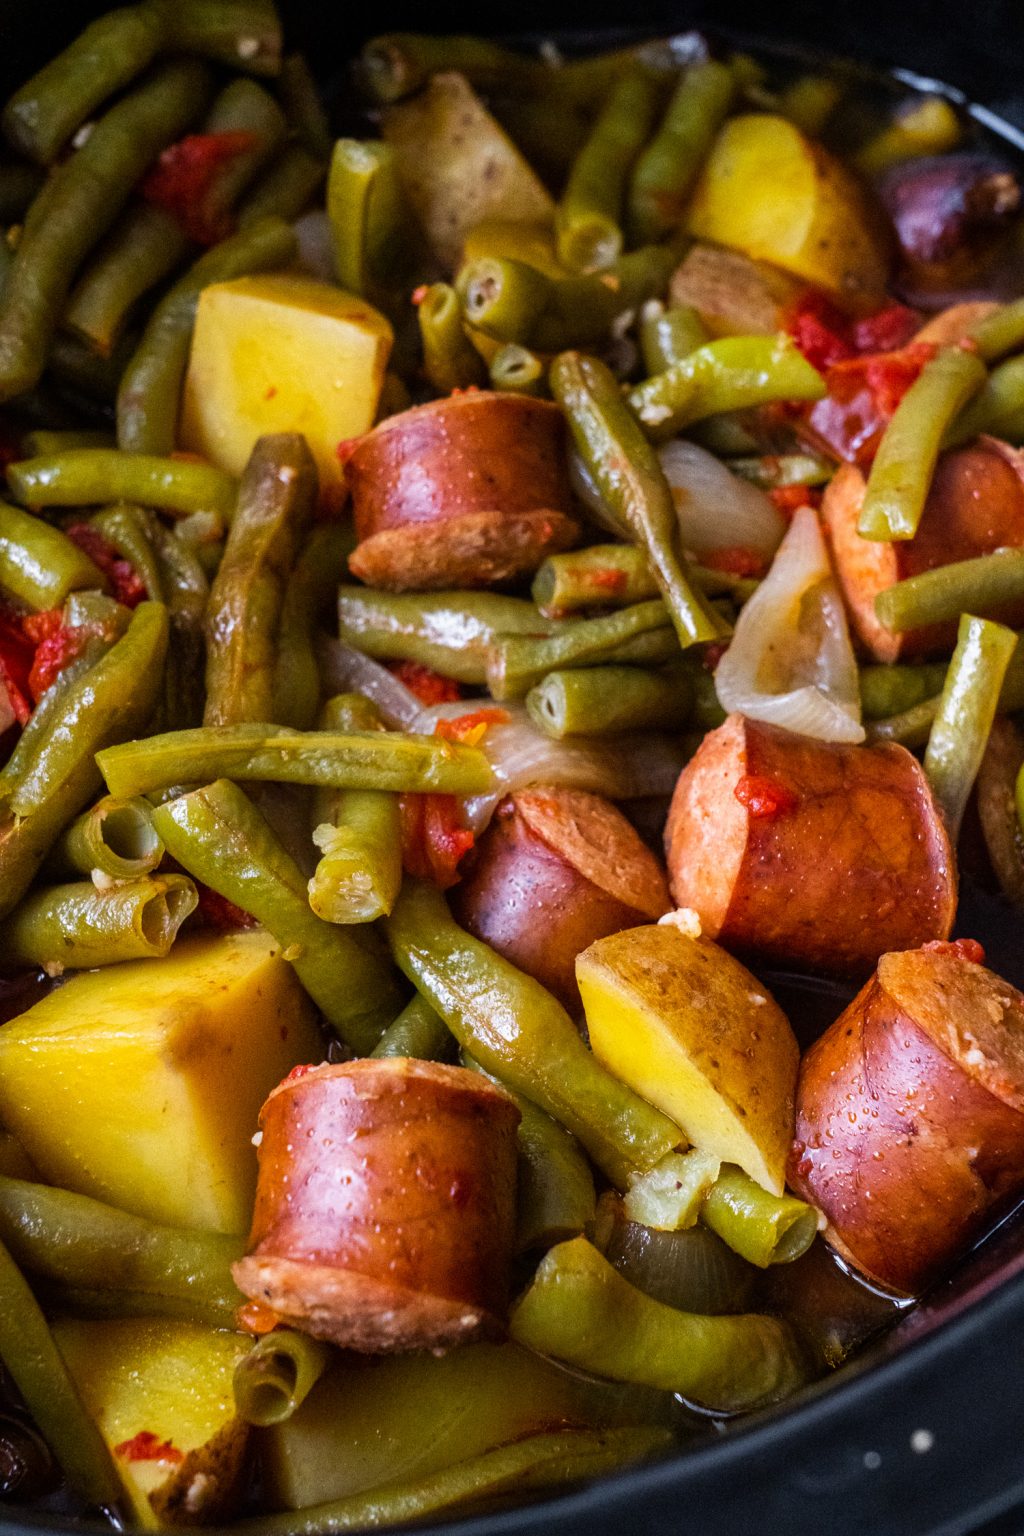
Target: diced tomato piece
[470,728]
[863,394]
[888,330]
[56,645]
[17,653]
[428,686]
[764,798]
[184,176]
[145,1446]
[125,582]
[820,330]
[734,560]
[433,838]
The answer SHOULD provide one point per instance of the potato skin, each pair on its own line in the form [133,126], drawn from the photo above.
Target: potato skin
[385,1209]
[856,862]
[975,505]
[556,870]
[734,295]
[910,1115]
[470,491]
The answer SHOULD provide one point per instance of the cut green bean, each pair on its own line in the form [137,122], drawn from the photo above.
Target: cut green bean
[87,195]
[143,249]
[39,565]
[970,697]
[84,477]
[285,189]
[83,373]
[366,209]
[244,34]
[669,335]
[116,837]
[515,1029]
[303,107]
[726,375]
[79,926]
[186,590]
[518,371]
[276,502]
[543,1461]
[277,1375]
[774,471]
[449,360]
[761,1227]
[127,528]
[395,64]
[519,663]
[588,218]
[890,690]
[603,576]
[580,1310]
[997,408]
[1000,332]
[43,444]
[149,396]
[73,1240]
[311,590]
[274,754]
[668,167]
[451,632]
[358,832]
[35,1365]
[41,117]
[246,109]
[632,485]
[605,701]
[219,836]
[978,586]
[419,1031]
[902,471]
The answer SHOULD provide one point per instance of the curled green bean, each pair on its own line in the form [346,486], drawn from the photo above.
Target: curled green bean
[39,565]
[967,707]
[605,701]
[79,926]
[83,477]
[726,375]
[117,837]
[277,1375]
[761,1227]
[219,836]
[668,167]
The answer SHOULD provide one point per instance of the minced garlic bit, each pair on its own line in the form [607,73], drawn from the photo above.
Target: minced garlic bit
[101,880]
[687,921]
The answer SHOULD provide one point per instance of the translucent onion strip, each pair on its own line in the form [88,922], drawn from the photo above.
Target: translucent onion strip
[717,510]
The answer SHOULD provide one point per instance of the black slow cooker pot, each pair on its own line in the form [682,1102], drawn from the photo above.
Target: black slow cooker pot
[923,1433]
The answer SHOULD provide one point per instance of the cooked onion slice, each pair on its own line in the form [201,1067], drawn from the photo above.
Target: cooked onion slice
[791,662]
[716,509]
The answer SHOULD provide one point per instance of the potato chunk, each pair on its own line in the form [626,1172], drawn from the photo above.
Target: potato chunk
[141,1084]
[160,1391]
[768,191]
[282,353]
[692,1031]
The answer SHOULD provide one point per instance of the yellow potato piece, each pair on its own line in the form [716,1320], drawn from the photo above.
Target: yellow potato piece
[770,192]
[170,1380]
[141,1084]
[282,353]
[693,1032]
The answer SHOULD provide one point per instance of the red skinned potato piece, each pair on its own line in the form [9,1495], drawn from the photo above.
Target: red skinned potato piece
[806,853]
[950,213]
[385,1207]
[471,491]
[975,505]
[557,870]
[910,1115]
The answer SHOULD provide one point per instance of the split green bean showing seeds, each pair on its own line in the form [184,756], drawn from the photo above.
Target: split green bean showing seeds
[382,493]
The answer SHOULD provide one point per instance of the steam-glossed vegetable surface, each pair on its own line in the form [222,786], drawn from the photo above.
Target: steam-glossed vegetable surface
[498,567]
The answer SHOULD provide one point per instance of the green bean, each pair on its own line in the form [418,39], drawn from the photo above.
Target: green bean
[762,1228]
[43,444]
[149,396]
[504,298]
[116,837]
[285,189]
[540,1461]
[19,186]
[276,1376]
[970,696]
[998,407]
[1000,332]
[303,107]
[246,109]
[366,210]
[187,590]
[84,477]
[520,662]
[774,471]
[396,64]
[587,221]
[668,167]
[810,101]
[73,1240]
[418,1031]
[603,576]
[276,501]
[605,701]
[632,485]
[41,117]
[39,565]
[219,836]
[909,728]
[580,1310]
[245,34]
[980,585]
[726,375]
[311,589]
[88,194]
[518,371]
[91,378]
[35,1365]
[127,528]
[905,462]
[890,690]
[449,361]
[143,249]
[95,611]
[277,755]
[669,335]
[451,632]
[515,1029]
[76,927]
